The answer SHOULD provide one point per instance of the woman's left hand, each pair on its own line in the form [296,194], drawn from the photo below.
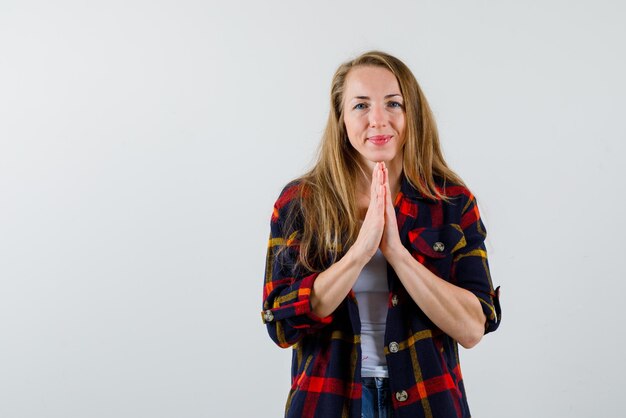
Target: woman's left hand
[390,242]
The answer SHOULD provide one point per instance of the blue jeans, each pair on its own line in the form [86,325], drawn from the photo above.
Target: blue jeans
[376,398]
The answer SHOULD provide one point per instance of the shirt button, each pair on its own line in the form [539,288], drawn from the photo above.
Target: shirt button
[439,247]
[402,396]
[393,347]
[394,300]
[268,316]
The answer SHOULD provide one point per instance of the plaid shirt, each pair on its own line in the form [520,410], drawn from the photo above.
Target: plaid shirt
[424,372]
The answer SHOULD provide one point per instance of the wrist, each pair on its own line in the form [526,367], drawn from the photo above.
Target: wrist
[356,256]
[397,255]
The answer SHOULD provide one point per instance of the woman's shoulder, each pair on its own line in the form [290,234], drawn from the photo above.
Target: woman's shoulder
[293,191]
[453,189]
[289,199]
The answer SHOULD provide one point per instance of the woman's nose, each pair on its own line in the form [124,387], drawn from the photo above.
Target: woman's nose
[377,117]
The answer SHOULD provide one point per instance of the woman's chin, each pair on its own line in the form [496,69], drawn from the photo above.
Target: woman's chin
[379,157]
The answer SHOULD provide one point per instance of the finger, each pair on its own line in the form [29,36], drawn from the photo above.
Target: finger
[376,197]
[383,169]
[388,201]
[389,198]
[373,185]
[379,179]
[383,173]
[381,199]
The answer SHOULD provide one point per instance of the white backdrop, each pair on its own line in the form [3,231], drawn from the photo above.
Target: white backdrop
[143,143]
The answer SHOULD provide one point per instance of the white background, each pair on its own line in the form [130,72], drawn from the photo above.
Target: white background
[143,143]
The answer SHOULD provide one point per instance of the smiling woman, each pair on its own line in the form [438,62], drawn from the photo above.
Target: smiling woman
[376,266]
[374,116]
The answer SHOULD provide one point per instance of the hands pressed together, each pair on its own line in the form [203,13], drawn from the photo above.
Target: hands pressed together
[455,310]
[379,228]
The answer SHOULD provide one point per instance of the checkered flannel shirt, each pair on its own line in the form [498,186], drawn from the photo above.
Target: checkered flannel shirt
[424,372]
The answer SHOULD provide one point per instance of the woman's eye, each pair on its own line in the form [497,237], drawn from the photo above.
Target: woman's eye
[395,104]
[360,106]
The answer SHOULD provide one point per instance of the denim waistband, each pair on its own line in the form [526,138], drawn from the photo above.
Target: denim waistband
[375,382]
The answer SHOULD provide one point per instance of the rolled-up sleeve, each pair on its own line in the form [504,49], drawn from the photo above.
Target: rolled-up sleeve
[470,269]
[287,310]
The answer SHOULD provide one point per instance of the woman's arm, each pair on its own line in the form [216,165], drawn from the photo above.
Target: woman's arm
[293,306]
[332,285]
[456,311]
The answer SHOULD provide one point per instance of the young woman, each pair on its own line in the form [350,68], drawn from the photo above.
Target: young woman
[376,266]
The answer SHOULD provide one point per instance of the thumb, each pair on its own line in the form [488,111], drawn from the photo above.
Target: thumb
[375,183]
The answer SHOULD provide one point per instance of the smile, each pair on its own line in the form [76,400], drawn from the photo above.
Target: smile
[380,139]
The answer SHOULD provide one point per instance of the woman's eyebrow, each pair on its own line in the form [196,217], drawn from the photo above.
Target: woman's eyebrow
[367,97]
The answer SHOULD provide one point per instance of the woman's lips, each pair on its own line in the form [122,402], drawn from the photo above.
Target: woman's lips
[380,139]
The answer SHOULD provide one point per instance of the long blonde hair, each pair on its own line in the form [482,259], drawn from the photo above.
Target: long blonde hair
[326,216]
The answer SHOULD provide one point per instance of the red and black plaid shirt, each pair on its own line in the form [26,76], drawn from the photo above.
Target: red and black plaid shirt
[424,371]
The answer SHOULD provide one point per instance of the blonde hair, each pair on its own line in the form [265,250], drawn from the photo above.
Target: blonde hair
[326,209]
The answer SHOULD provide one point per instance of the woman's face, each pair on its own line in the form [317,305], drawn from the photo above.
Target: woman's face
[373,113]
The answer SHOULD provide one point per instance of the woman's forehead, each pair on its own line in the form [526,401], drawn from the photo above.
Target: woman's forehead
[369,82]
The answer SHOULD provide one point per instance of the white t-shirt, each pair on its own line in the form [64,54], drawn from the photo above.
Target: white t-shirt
[372,295]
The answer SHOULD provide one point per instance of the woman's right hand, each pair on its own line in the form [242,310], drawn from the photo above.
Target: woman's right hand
[333,284]
[373,225]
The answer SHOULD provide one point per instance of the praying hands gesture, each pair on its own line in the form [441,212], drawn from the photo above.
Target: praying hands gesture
[380,228]
[454,310]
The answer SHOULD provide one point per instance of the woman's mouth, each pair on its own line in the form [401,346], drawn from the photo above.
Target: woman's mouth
[380,139]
